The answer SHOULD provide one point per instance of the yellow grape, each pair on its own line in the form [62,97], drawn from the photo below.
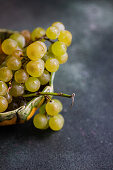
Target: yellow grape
[56,122]
[62,59]
[66,37]
[3,104]
[52,32]
[59,25]
[5,74]
[37,33]
[59,48]
[52,65]
[32,84]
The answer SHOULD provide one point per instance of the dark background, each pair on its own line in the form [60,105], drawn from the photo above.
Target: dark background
[86,141]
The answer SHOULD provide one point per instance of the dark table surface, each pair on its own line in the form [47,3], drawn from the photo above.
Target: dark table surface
[86,141]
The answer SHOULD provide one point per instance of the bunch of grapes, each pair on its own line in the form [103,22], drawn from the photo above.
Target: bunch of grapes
[27,61]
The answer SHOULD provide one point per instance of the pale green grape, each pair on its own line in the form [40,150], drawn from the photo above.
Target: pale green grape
[59,48]
[3,88]
[19,39]
[32,84]
[62,59]
[8,97]
[14,63]
[52,64]
[21,76]
[56,122]
[37,33]
[59,25]
[35,68]
[17,90]
[9,46]
[52,32]
[44,78]
[66,37]
[3,104]
[5,74]
[36,50]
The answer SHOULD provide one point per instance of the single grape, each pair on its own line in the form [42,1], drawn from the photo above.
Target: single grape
[32,84]
[52,32]
[62,59]
[53,107]
[5,74]
[21,76]
[3,104]
[26,35]
[44,78]
[40,121]
[47,56]
[3,88]
[59,25]
[56,122]
[52,65]
[8,97]
[35,68]
[66,37]
[37,33]
[36,50]
[59,48]
[19,39]
[9,46]
[14,63]
[17,90]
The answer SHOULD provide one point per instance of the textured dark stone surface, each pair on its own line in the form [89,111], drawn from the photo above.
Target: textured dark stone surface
[86,141]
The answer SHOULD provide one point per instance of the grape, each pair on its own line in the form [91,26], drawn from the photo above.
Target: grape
[32,84]
[21,76]
[52,32]
[14,63]
[8,97]
[37,33]
[9,46]
[35,68]
[3,88]
[17,90]
[17,53]
[5,74]
[62,59]
[44,78]
[59,25]
[52,64]
[53,107]
[59,48]
[66,37]
[47,56]
[56,122]
[3,104]
[40,121]
[19,39]
[36,50]
[26,35]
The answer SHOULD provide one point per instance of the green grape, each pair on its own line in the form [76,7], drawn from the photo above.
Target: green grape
[44,78]
[53,107]
[59,25]
[9,46]
[3,88]
[62,59]
[5,74]
[52,65]
[37,33]
[35,68]
[59,48]
[66,37]
[36,50]
[40,121]
[17,89]
[47,55]
[19,39]
[14,63]
[52,32]
[3,104]
[56,122]
[32,84]
[21,76]
[8,97]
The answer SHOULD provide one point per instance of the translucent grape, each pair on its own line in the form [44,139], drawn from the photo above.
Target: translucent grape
[8,97]
[36,50]
[52,64]
[3,88]
[5,74]
[66,37]
[35,68]
[53,107]
[37,33]
[56,123]
[59,25]
[9,46]
[26,35]
[62,59]
[21,76]
[19,39]
[52,32]
[59,48]
[32,84]
[14,63]
[3,104]
[44,78]
[17,90]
